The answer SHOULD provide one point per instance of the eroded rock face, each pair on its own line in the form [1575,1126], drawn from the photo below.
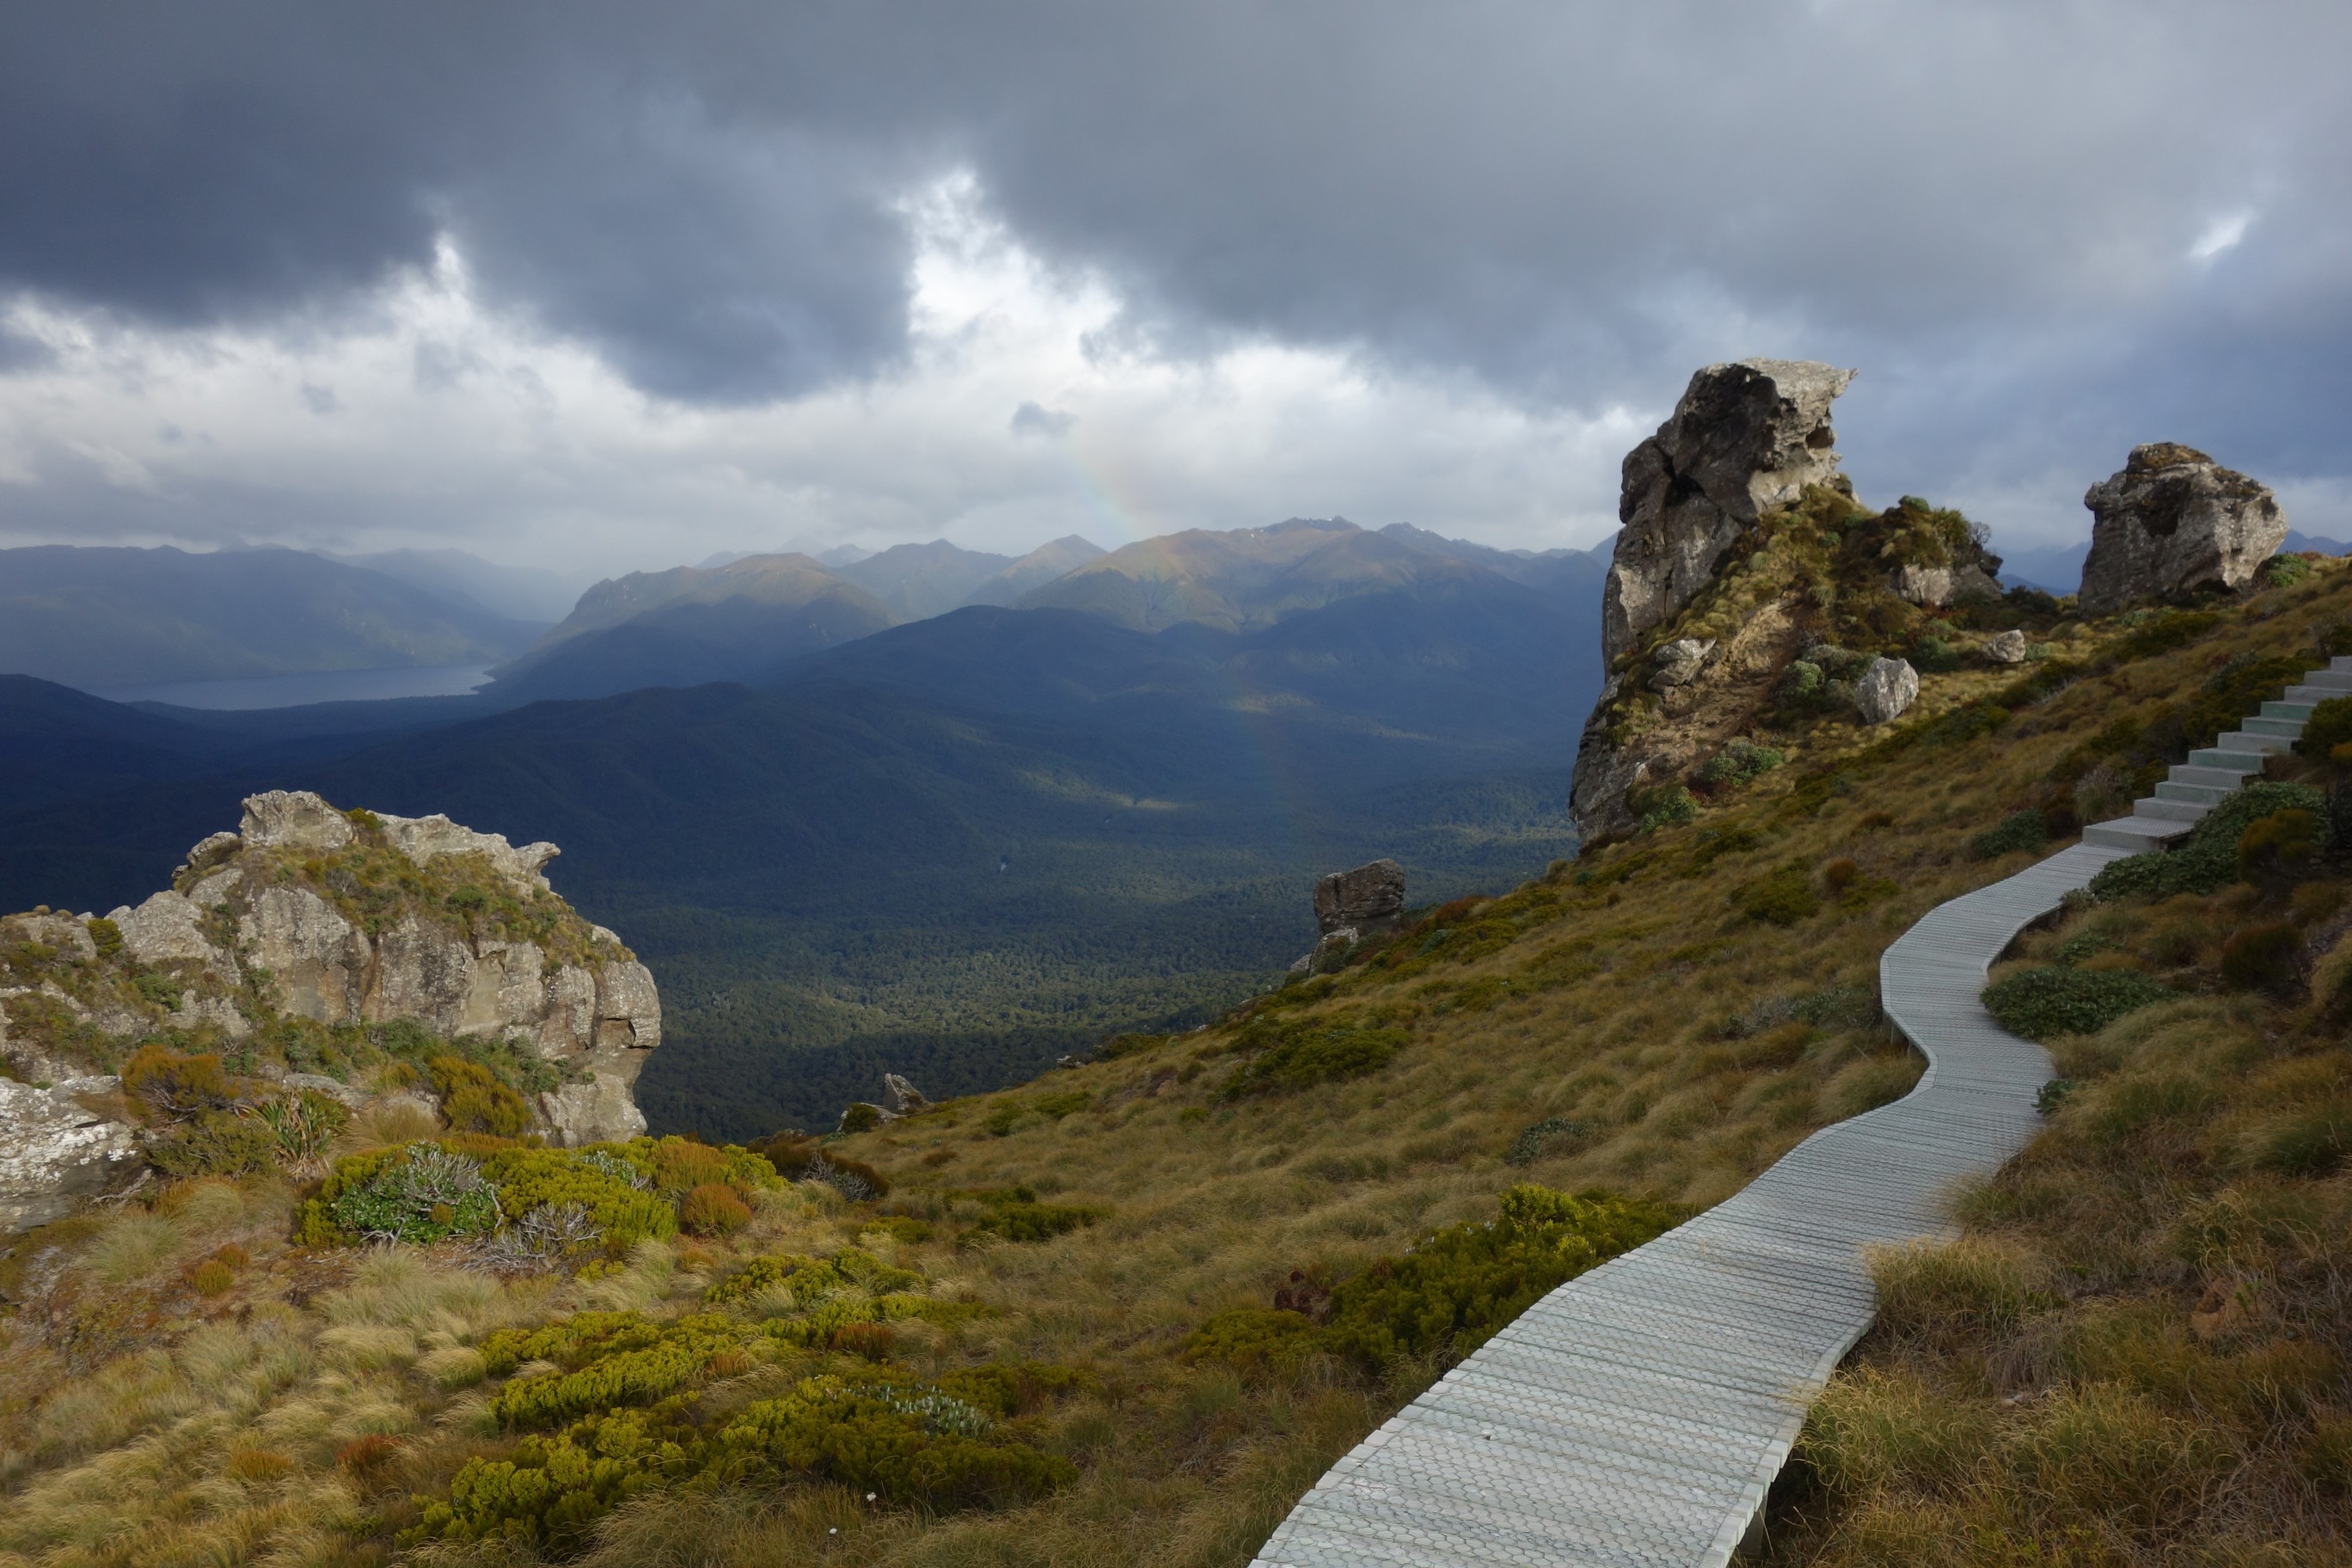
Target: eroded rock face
[2009,647]
[57,1155]
[289,819]
[1745,438]
[2172,521]
[1365,899]
[316,959]
[1936,587]
[423,839]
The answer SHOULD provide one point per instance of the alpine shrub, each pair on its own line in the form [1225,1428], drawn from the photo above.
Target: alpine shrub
[1304,1059]
[2040,1004]
[474,1100]
[1741,761]
[215,1143]
[302,1123]
[1453,1292]
[1553,1134]
[171,1086]
[1780,898]
[2329,726]
[2265,957]
[2027,830]
[795,1158]
[418,1192]
[910,1442]
[623,1214]
[1256,1341]
[2276,850]
[1016,1215]
[1667,808]
[713,1209]
[2207,861]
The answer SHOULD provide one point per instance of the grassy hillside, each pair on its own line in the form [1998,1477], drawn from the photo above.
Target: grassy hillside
[1126,1313]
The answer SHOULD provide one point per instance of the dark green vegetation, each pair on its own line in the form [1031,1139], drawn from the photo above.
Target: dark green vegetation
[957,849]
[129,617]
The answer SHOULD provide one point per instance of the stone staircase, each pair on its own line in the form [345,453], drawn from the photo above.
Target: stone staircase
[2199,785]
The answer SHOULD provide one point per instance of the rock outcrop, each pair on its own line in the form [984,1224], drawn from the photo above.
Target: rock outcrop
[1745,438]
[1369,898]
[343,920]
[2173,521]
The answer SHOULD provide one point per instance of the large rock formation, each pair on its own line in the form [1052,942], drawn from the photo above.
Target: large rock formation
[2173,521]
[1367,899]
[1745,438]
[344,920]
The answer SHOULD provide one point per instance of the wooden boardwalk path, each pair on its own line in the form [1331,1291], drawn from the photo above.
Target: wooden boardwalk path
[1637,1415]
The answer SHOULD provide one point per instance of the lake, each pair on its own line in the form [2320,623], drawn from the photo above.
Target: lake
[299,690]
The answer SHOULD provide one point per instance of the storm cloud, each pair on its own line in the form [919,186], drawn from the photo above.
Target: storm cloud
[2043,232]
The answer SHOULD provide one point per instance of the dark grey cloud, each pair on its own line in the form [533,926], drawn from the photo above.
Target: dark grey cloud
[1992,208]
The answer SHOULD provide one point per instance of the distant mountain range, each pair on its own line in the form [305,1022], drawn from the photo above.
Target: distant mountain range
[96,617]
[531,594]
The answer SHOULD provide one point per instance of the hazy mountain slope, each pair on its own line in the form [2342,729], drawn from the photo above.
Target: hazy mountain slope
[1564,574]
[531,594]
[57,742]
[919,580]
[108,617]
[688,626]
[1196,575]
[1054,559]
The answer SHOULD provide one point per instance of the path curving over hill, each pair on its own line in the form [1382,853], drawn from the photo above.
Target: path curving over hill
[1638,1414]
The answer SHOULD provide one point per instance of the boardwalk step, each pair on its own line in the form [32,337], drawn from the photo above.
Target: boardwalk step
[2166,810]
[2226,757]
[2298,711]
[2191,793]
[2192,773]
[2137,834]
[2309,693]
[2331,679]
[2285,729]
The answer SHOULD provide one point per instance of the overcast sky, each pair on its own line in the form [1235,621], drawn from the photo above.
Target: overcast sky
[603,286]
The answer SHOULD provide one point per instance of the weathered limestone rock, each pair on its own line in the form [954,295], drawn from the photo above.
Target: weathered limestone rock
[900,1098]
[423,839]
[423,973]
[56,1155]
[167,929]
[317,960]
[1934,587]
[628,1008]
[1745,438]
[599,1108]
[2171,521]
[68,934]
[1680,661]
[1886,689]
[290,819]
[1367,898]
[2009,647]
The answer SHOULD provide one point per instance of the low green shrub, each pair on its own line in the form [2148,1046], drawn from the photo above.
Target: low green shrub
[1780,897]
[671,1357]
[1301,1058]
[2329,726]
[1933,656]
[302,1123]
[215,1143]
[713,1209]
[1552,1135]
[1669,806]
[861,1117]
[1256,1341]
[2026,830]
[107,935]
[2043,1004]
[418,1192]
[2267,956]
[1741,761]
[910,1442]
[812,1279]
[1452,1291]
[473,1099]
[1016,1215]
[797,1158]
[623,1214]
[2207,860]
[171,1086]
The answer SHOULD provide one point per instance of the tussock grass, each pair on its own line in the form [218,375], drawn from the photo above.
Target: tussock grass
[2135,1354]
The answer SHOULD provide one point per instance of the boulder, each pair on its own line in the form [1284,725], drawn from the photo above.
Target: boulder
[57,1155]
[1680,661]
[1330,951]
[290,819]
[2173,521]
[900,1098]
[1934,587]
[1368,897]
[2009,647]
[1886,689]
[1746,437]
[167,929]
[599,1107]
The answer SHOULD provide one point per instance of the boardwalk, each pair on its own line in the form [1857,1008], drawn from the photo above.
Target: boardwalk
[1636,1414]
